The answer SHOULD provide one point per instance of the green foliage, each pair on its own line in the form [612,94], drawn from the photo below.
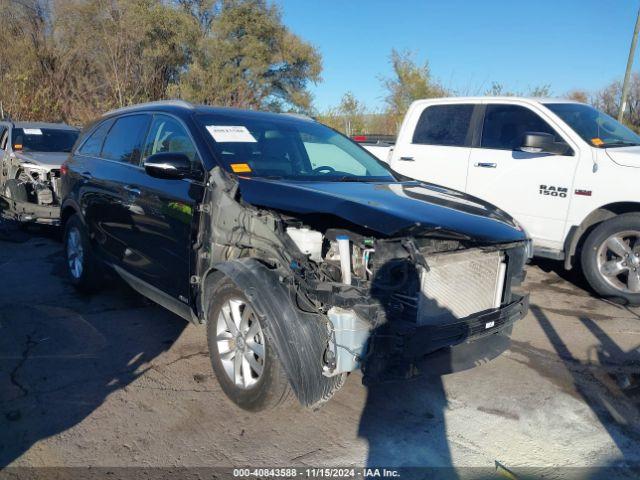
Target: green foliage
[73,59]
[348,117]
[498,90]
[410,82]
[251,60]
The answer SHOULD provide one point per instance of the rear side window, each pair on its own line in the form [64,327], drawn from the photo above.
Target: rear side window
[444,125]
[93,144]
[125,138]
[504,126]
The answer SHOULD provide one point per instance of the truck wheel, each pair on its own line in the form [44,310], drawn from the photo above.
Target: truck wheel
[83,268]
[14,190]
[241,352]
[611,258]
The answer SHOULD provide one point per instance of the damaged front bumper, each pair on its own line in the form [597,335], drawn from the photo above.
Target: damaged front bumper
[424,339]
[399,343]
[28,212]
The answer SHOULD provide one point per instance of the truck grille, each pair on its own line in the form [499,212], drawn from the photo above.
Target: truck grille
[460,284]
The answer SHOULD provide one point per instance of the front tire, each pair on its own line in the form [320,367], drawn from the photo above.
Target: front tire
[241,351]
[83,268]
[611,258]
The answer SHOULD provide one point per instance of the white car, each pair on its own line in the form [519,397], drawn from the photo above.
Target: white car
[567,172]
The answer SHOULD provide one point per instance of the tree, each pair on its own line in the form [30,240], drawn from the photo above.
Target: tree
[497,90]
[251,60]
[409,82]
[352,113]
[578,96]
[72,60]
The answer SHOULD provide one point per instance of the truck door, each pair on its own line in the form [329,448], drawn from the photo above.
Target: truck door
[437,150]
[534,188]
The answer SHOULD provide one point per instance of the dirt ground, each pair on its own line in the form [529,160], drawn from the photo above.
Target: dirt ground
[113,380]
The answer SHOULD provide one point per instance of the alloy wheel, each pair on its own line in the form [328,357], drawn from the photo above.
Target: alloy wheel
[240,343]
[75,253]
[618,260]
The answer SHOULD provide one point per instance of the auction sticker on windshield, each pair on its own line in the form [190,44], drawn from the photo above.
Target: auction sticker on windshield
[231,134]
[32,131]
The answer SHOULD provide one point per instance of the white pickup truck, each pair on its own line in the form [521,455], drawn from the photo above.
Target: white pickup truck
[567,172]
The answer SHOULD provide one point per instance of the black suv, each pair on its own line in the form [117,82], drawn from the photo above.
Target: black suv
[305,256]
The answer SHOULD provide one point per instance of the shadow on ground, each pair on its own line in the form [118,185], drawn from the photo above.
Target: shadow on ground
[403,421]
[609,383]
[62,354]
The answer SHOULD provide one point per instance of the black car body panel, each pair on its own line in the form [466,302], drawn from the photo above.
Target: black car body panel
[390,209]
[172,239]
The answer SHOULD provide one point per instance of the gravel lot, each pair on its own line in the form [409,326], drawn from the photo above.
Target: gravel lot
[113,380]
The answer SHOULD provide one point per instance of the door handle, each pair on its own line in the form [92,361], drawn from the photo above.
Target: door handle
[86,174]
[132,189]
[407,159]
[485,164]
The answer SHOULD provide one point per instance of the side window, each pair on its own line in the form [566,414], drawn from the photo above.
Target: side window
[93,144]
[444,125]
[124,140]
[505,125]
[168,135]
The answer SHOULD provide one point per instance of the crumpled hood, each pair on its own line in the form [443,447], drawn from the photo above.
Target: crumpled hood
[391,209]
[50,160]
[625,156]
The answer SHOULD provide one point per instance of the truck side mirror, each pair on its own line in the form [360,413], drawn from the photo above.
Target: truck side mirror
[168,165]
[539,142]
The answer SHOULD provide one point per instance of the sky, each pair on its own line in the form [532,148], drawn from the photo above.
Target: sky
[568,44]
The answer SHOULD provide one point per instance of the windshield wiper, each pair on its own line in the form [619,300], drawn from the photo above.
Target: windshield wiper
[349,178]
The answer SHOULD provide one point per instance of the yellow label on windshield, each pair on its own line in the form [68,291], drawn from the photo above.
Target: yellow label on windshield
[240,167]
[597,142]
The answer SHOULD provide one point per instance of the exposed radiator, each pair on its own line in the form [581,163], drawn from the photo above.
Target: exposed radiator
[459,284]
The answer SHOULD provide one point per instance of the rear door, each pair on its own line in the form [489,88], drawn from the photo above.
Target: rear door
[107,196]
[533,187]
[163,212]
[435,145]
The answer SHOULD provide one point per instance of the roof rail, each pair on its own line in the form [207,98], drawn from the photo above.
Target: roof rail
[175,103]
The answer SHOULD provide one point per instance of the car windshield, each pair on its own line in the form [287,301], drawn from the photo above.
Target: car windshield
[595,127]
[43,139]
[289,148]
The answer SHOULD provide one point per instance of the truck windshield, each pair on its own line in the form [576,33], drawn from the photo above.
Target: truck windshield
[595,127]
[289,148]
[43,139]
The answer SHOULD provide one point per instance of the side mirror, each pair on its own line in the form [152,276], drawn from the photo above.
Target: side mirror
[538,142]
[168,165]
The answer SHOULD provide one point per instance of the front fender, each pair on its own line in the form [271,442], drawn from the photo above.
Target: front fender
[299,338]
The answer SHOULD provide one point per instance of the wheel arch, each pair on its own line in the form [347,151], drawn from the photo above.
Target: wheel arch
[67,210]
[578,233]
[299,338]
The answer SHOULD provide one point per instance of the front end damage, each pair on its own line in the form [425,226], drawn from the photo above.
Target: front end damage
[339,297]
[33,196]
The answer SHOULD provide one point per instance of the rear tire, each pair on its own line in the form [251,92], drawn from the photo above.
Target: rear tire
[610,258]
[83,268]
[241,351]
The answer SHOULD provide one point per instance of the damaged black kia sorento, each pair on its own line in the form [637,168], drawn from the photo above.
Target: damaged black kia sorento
[305,256]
